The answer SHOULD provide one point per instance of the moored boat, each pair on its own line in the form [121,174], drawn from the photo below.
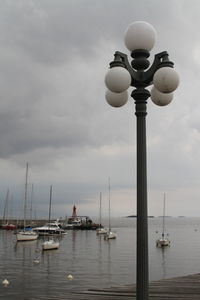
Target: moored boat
[50,245]
[109,234]
[163,241]
[8,226]
[100,229]
[80,222]
[27,234]
[52,228]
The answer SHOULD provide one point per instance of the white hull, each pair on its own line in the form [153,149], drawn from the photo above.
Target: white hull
[50,245]
[26,236]
[110,235]
[49,229]
[162,243]
[101,231]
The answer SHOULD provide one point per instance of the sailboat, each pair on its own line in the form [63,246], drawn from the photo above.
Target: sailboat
[163,241]
[101,229]
[27,234]
[50,244]
[109,234]
[6,223]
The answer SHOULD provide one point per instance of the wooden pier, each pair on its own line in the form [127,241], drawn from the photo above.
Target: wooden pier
[179,288]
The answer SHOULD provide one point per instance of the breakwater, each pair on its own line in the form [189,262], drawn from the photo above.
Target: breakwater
[19,223]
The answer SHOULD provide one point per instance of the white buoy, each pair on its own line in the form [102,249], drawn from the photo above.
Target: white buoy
[5,282]
[36,261]
[70,277]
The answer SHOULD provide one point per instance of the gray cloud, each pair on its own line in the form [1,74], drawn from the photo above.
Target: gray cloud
[53,58]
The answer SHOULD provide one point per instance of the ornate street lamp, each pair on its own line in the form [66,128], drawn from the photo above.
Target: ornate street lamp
[139,39]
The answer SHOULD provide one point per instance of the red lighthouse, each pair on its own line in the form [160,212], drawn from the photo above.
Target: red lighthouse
[74,214]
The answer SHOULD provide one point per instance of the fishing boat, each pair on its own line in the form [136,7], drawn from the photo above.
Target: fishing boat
[163,241]
[80,222]
[27,234]
[109,234]
[50,244]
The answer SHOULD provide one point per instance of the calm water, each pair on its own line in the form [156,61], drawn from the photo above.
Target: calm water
[94,262]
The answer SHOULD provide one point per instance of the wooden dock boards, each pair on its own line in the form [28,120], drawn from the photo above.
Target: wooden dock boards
[179,288]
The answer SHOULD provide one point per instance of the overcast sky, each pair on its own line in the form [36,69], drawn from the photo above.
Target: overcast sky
[53,58]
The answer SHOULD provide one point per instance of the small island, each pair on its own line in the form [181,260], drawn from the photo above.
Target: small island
[134,216]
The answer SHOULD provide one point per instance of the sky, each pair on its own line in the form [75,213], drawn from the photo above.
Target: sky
[54,55]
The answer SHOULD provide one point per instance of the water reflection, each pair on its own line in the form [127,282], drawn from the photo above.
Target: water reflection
[163,262]
[92,261]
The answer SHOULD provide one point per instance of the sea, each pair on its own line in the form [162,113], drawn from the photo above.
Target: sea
[94,262]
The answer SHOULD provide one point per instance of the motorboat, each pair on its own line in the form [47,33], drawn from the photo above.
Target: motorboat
[50,228]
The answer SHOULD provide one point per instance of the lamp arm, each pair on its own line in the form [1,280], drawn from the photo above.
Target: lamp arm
[160,60]
[127,65]
[141,78]
[121,59]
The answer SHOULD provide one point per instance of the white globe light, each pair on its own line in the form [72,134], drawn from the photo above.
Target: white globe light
[117,79]
[166,80]
[159,98]
[140,35]
[116,99]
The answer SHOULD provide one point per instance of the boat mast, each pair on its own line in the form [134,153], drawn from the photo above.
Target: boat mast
[5,212]
[31,208]
[50,204]
[25,196]
[109,202]
[163,233]
[100,212]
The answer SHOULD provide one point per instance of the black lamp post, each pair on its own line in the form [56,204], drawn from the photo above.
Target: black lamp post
[140,39]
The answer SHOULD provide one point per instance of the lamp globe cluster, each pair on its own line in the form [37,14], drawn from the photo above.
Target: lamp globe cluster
[140,37]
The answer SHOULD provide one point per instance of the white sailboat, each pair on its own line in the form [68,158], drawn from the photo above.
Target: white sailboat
[109,234]
[50,244]
[101,229]
[27,234]
[163,241]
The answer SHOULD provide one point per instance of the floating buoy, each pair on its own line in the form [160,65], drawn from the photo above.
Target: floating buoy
[36,261]
[70,277]
[5,282]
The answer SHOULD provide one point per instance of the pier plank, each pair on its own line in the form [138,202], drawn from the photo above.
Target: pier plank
[179,288]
